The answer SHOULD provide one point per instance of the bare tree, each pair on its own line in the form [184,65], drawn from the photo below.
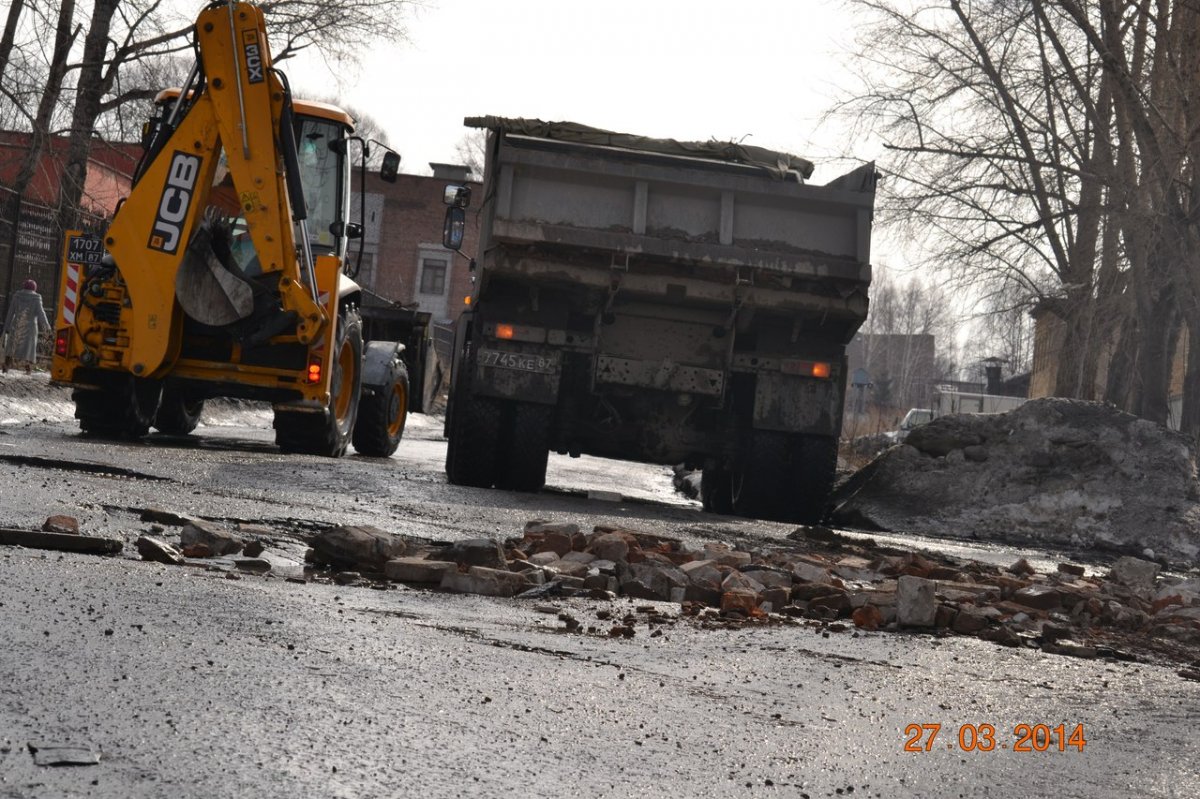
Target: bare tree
[8,37]
[471,150]
[367,127]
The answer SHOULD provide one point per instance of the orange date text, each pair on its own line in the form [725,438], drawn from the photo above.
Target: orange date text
[985,738]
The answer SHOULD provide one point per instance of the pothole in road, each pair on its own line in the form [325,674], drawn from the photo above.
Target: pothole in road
[98,469]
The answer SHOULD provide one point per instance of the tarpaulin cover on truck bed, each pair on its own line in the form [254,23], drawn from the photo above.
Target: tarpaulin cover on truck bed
[783,166]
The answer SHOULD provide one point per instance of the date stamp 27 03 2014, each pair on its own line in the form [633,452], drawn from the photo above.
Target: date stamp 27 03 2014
[984,738]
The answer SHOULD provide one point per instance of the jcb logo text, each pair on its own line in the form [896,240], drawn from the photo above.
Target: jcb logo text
[176,199]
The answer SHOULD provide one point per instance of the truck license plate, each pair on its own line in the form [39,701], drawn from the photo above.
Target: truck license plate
[521,361]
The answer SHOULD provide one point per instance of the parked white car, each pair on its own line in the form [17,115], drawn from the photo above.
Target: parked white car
[914,418]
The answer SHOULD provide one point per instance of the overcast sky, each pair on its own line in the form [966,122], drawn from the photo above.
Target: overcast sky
[762,70]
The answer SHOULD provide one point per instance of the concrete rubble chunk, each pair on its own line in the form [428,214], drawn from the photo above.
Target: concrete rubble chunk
[653,581]
[167,517]
[571,568]
[62,542]
[916,602]
[867,617]
[739,601]
[1134,572]
[484,552]
[417,570]
[1041,597]
[770,578]
[809,572]
[218,540]
[736,580]
[58,523]
[777,597]
[542,558]
[485,581]
[357,546]
[153,549]
[969,621]
[610,546]
[45,754]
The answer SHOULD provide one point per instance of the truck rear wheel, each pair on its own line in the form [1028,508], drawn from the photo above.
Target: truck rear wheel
[784,477]
[526,448]
[716,490]
[471,457]
[815,469]
[178,414]
[382,413]
[328,433]
[123,409]
[760,476]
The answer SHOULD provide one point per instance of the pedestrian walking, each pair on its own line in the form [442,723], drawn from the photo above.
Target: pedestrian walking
[26,318]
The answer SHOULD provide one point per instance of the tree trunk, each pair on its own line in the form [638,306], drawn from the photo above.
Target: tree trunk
[94,81]
[1158,328]
[38,138]
[10,34]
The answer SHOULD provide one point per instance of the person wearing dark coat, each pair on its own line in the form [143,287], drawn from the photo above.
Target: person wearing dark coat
[26,318]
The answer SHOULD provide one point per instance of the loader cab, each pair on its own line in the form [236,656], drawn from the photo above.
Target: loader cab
[321,135]
[325,172]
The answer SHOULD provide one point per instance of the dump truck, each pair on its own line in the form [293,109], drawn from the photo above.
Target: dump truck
[223,273]
[657,301]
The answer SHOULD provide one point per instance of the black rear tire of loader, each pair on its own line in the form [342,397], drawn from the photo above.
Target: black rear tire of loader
[526,447]
[178,414]
[716,491]
[124,409]
[328,433]
[382,414]
[471,452]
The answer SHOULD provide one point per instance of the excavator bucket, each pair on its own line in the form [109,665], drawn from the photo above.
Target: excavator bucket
[207,290]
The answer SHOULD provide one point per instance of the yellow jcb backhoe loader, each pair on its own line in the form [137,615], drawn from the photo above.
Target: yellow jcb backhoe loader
[222,273]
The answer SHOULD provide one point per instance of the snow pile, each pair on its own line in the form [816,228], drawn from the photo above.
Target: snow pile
[1054,472]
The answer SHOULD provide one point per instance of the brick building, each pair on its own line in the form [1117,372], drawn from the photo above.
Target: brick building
[37,240]
[403,258]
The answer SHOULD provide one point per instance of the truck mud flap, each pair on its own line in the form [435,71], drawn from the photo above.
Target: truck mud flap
[796,404]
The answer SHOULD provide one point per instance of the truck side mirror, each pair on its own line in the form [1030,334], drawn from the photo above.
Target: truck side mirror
[354,230]
[457,196]
[390,168]
[454,228]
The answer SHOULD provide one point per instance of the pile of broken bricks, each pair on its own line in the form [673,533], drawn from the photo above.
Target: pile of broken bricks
[832,581]
[829,579]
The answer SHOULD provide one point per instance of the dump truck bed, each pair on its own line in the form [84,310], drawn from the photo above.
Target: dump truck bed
[730,221]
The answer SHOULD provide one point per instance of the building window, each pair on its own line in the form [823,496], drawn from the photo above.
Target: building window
[433,275]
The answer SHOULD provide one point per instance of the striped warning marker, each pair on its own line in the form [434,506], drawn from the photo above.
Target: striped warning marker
[71,293]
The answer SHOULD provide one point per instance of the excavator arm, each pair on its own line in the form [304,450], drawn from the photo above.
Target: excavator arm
[237,117]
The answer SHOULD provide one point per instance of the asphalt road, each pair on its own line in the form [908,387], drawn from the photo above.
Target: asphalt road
[189,684]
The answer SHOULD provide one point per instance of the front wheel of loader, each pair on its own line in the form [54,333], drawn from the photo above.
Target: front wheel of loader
[328,432]
[382,413]
[122,409]
[178,414]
